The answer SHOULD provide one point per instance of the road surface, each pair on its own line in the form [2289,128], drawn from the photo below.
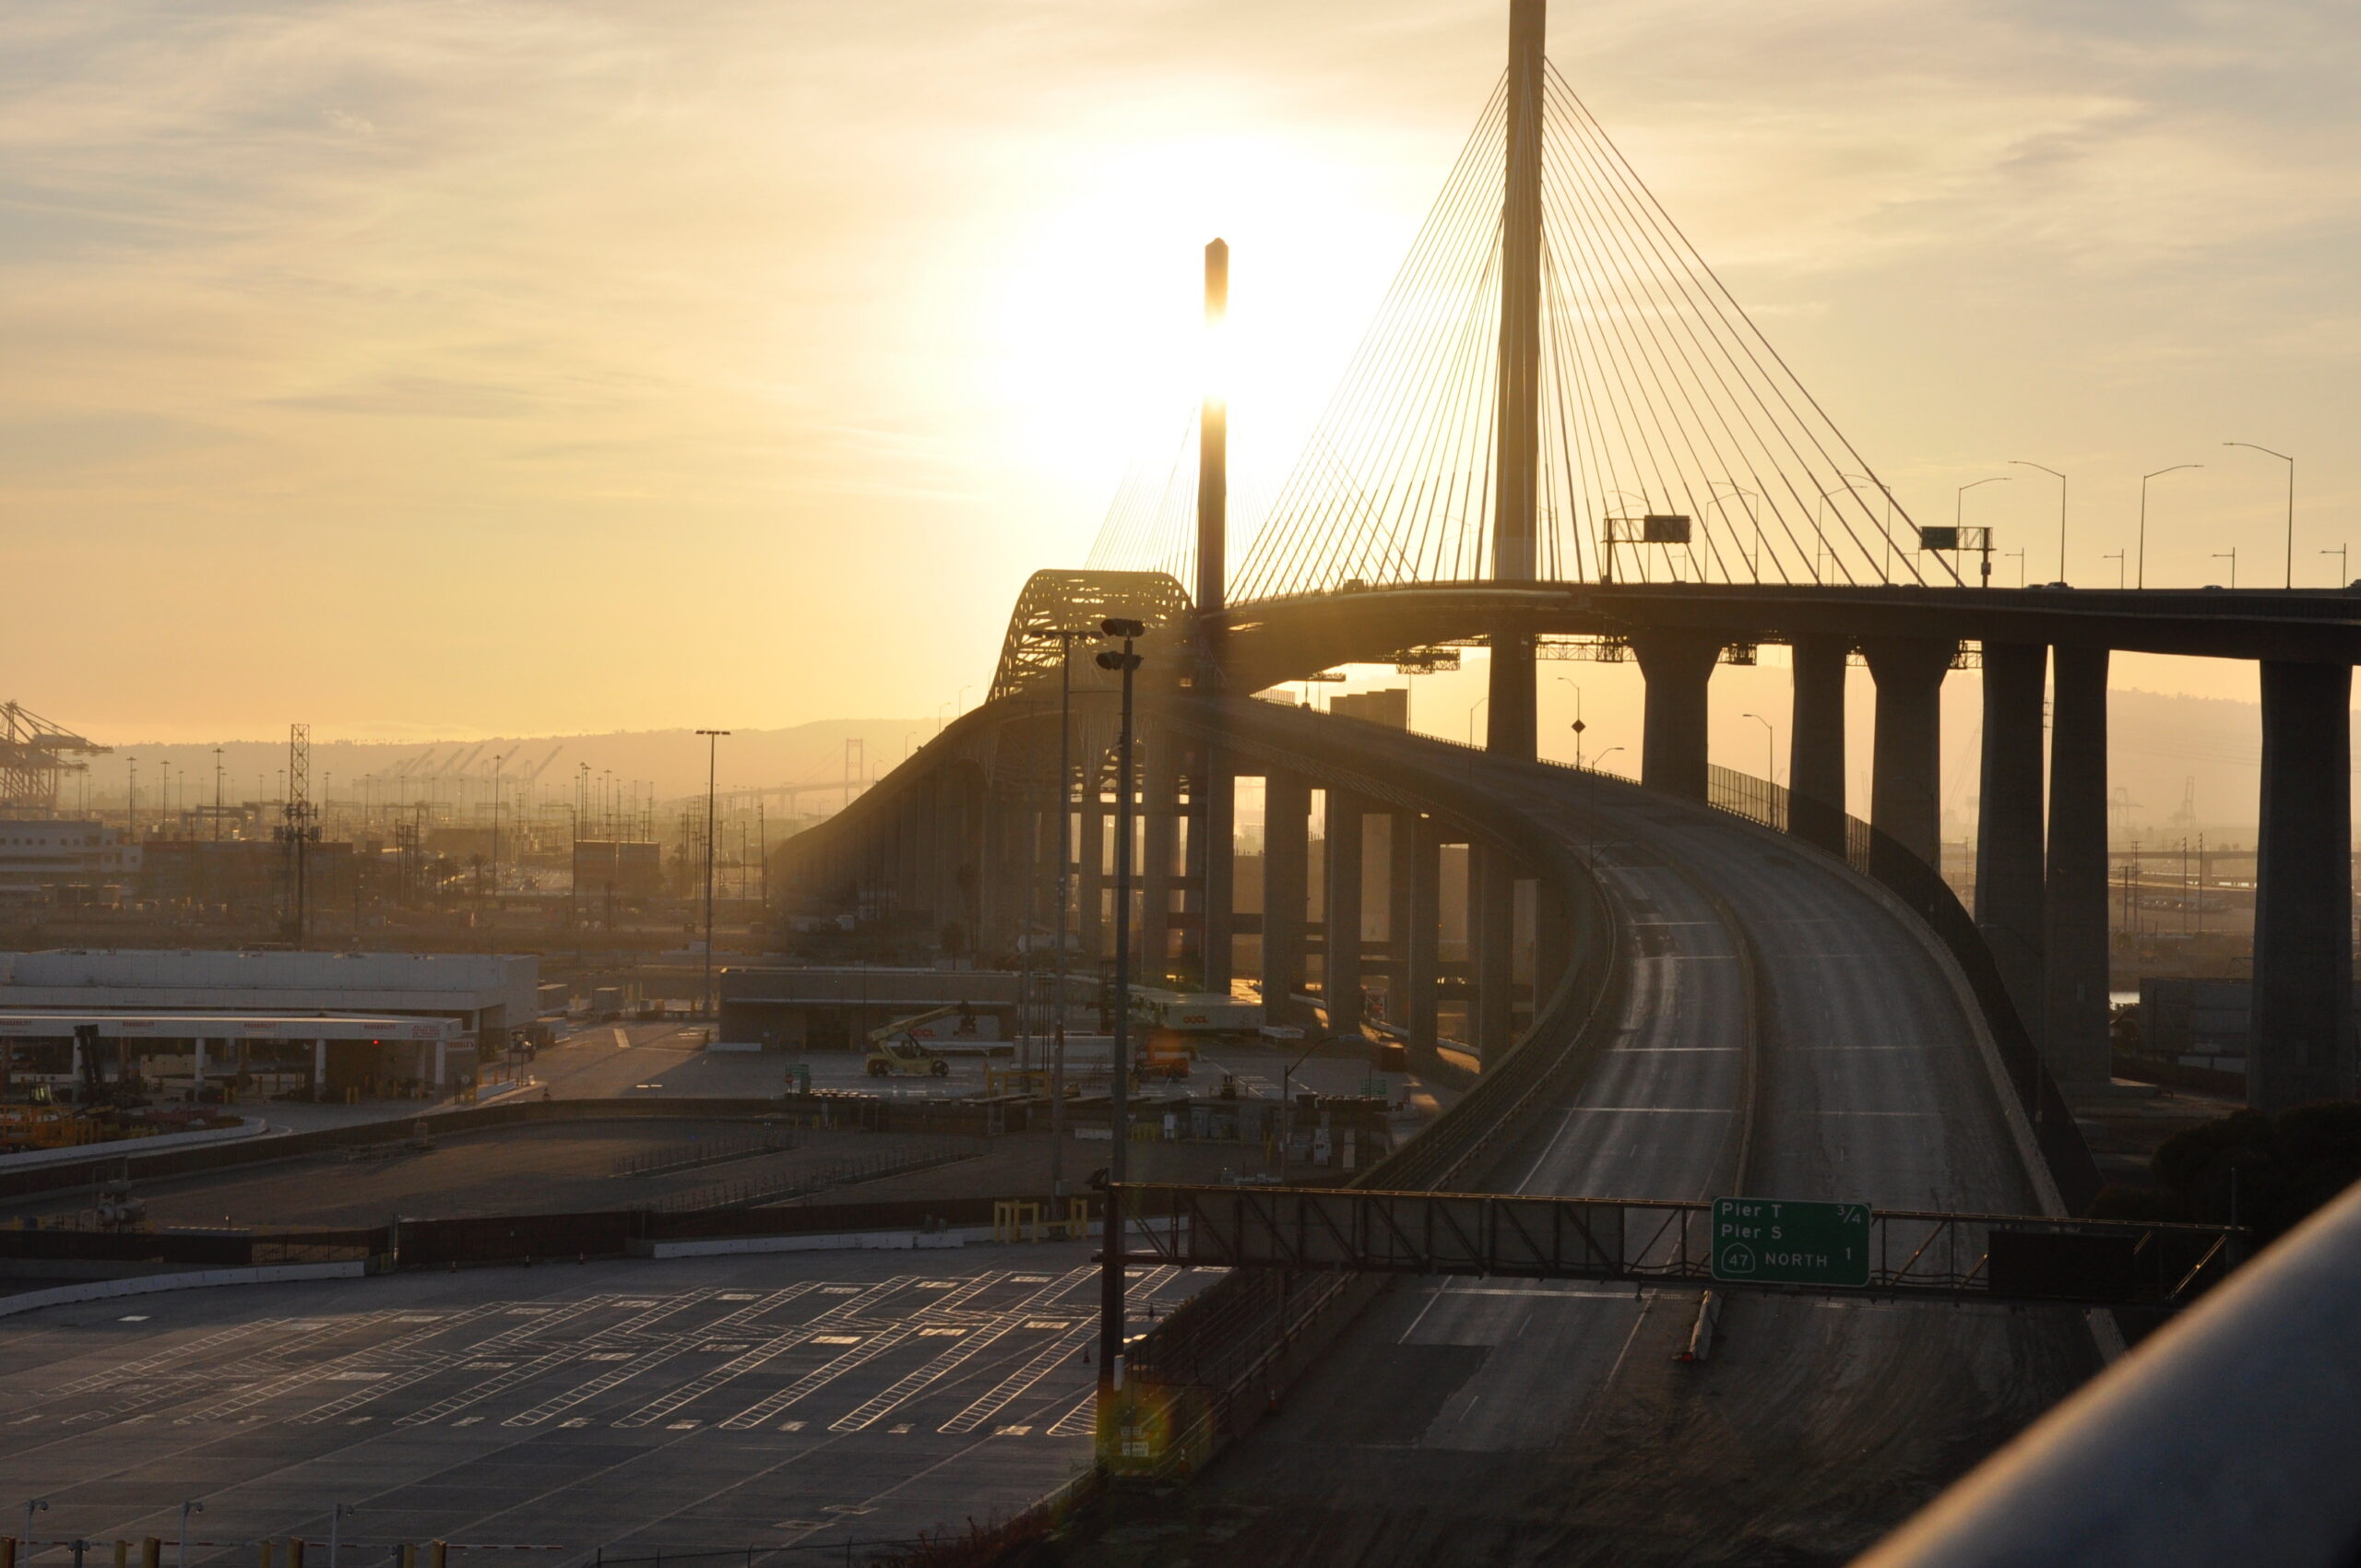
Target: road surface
[1509,1422]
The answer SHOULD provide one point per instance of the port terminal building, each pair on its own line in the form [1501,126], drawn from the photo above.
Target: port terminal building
[321,1023]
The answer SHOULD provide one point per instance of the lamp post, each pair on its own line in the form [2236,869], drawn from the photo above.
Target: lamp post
[1601,757]
[1769,747]
[712,760]
[1473,709]
[2231,555]
[1110,1249]
[35,1505]
[1579,726]
[186,1509]
[1959,510]
[335,1521]
[2116,556]
[2291,500]
[2339,553]
[2140,572]
[2044,468]
[1065,638]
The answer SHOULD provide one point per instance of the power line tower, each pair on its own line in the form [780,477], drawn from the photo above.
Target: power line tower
[298,831]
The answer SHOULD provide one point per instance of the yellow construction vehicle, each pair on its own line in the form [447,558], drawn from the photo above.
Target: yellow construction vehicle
[894,1051]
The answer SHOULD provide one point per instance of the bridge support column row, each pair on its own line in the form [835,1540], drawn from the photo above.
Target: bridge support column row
[2302,1025]
[1159,850]
[1340,981]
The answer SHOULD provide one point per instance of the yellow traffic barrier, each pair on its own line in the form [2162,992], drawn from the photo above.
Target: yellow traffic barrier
[8,1551]
[295,1551]
[267,1548]
[1016,1219]
[122,1554]
[151,1553]
[439,1555]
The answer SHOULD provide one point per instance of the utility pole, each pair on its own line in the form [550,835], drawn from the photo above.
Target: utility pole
[296,831]
[712,760]
[1110,1248]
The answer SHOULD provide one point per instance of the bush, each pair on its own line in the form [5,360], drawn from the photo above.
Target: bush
[2252,1168]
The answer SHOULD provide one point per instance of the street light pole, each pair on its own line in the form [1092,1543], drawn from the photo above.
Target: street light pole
[1959,508]
[2140,576]
[1769,748]
[1065,639]
[2291,500]
[1579,725]
[186,1509]
[712,761]
[1111,1233]
[2044,468]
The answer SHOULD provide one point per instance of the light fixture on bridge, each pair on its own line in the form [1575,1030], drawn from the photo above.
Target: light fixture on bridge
[1116,626]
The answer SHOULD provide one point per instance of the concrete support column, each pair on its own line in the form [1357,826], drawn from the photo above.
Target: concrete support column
[1341,910]
[1672,740]
[2302,1046]
[1401,848]
[320,1070]
[1160,833]
[1421,939]
[1816,743]
[2075,1037]
[1905,781]
[1491,958]
[1553,941]
[1287,851]
[1090,867]
[1510,718]
[1215,853]
[2009,871]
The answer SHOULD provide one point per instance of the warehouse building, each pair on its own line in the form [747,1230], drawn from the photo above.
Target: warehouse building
[348,1018]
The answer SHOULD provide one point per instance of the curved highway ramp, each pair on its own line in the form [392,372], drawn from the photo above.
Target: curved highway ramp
[1786,1029]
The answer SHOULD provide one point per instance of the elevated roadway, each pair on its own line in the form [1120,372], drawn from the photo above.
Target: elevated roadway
[1786,1029]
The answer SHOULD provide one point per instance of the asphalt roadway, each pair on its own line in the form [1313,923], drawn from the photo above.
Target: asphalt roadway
[1510,1421]
[716,1404]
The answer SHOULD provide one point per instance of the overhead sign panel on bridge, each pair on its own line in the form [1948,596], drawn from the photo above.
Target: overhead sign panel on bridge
[1777,1242]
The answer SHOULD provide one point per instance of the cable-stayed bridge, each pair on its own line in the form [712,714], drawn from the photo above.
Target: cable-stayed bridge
[1562,435]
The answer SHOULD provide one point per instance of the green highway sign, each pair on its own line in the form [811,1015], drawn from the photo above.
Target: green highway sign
[1773,1241]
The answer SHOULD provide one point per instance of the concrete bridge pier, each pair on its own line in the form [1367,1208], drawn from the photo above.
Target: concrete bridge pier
[1491,936]
[1159,853]
[1340,967]
[1905,781]
[2009,900]
[2074,1037]
[1287,875]
[1090,865]
[2302,1048]
[1816,743]
[1421,937]
[1510,720]
[1401,840]
[1553,941]
[1212,856]
[1677,666]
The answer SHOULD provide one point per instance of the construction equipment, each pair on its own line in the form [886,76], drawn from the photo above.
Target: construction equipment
[905,1059]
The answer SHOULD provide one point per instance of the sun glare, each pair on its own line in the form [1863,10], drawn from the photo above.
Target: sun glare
[1104,351]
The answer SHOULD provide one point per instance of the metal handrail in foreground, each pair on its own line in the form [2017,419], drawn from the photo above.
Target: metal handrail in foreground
[1910,1255]
[2233,1435]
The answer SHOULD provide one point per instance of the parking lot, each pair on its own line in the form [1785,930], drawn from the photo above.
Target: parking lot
[699,1404]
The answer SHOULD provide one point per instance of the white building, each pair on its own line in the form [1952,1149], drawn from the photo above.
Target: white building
[39,855]
[483,994]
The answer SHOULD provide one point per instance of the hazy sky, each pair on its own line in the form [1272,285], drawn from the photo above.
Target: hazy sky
[428,369]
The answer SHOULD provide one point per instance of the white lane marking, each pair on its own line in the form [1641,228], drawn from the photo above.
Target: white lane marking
[1873,1114]
[1532,1290]
[1679,1049]
[1683,1110]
